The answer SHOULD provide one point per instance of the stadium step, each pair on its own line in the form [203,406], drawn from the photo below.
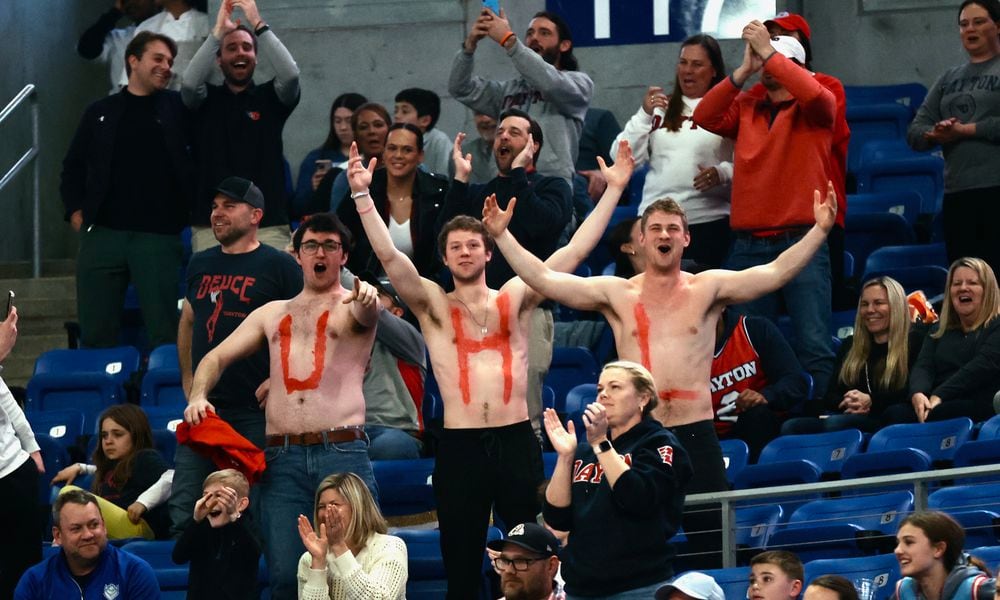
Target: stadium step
[43,305]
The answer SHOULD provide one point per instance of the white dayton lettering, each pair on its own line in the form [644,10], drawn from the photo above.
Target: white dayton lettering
[594,472]
[734,375]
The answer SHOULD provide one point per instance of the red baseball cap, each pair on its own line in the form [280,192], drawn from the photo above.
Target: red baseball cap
[791,22]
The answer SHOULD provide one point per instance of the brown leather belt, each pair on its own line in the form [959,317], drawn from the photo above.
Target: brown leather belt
[315,438]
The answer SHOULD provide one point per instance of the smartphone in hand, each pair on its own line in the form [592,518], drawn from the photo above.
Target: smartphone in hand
[10,303]
[493,5]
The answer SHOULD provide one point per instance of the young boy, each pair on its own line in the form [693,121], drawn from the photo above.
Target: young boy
[223,552]
[775,575]
[422,108]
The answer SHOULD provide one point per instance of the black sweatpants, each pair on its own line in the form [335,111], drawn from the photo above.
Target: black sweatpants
[709,475]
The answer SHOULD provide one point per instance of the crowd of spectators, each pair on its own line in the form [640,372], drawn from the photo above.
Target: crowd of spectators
[391,265]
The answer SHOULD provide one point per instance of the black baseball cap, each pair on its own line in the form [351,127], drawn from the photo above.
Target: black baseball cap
[241,190]
[530,536]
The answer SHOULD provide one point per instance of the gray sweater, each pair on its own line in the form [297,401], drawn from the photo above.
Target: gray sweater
[968,92]
[387,399]
[557,100]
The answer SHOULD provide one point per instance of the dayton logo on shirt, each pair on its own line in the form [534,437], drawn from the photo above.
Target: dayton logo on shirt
[734,375]
[594,472]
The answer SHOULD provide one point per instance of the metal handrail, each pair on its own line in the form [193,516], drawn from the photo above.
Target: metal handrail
[917,480]
[31,155]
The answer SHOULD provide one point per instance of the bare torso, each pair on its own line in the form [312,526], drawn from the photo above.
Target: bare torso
[482,376]
[670,329]
[318,354]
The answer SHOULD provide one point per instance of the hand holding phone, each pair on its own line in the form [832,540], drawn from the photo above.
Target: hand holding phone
[493,5]
[10,303]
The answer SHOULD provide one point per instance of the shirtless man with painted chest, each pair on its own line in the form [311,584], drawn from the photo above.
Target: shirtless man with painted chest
[665,318]
[319,343]
[478,344]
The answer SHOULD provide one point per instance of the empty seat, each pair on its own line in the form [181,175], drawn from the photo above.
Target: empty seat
[87,380]
[903,203]
[885,462]
[939,439]
[164,417]
[64,425]
[576,402]
[570,367]
[922,173]
[910,95]
[966,497]
[161,385]
[55,457]
[989,555]
[882,570]
[736,455]
[170,576]
[755,524]
[827,450]
[865,233]
[912,255]
[405,488]
[874,122]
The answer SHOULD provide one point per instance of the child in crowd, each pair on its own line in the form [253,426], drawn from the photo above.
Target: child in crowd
[222,550]
[422,108]
[775,575]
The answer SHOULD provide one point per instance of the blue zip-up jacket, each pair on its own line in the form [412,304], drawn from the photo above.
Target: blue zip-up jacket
[118,576]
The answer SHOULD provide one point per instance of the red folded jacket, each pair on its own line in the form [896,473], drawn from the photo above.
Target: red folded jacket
[217,440]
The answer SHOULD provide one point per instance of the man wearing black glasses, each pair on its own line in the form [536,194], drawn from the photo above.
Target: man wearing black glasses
[527,561]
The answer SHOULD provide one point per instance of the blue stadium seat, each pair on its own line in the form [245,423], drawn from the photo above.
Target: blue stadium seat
[886,462]
[843,527]
[988,554]
[404,486]
[842,323]
[570,367]
[734,581]
[164,417]
[966,497]
[903,203]
[161,385]
[165,442]
[426,577]
[826,450]
[736,455]
[790,472]
[87,380]
[922,173]
[939,439]
[990,429]
[56,458]
[65,425]
[882,570]
[576,402]
[910,95]
[548,397]
[929,279]
[170,576]
[755,524]
[913,255]
[874,122]
[865,233]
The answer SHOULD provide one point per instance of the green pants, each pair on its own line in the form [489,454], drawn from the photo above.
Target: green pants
[109,259]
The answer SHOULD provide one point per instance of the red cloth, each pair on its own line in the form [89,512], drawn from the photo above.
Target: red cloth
[217,440]
[777,164]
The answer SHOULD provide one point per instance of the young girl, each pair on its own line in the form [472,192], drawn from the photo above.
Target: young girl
[125,467]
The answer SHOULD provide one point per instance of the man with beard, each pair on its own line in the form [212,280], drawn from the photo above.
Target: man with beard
[86,566]
[319,343]
[125,186]
[527,560]
[547,207]
[226,283]
[784,141]
[550,88]
[240,123]
[488,457]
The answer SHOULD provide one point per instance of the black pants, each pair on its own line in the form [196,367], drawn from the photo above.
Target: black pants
[709,475]
[22,547]
[478,470]
[756,426]
[970,219]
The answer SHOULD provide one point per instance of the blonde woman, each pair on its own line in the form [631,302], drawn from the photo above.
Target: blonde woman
[348,554]
[621,495]
[958,370]
[873,365]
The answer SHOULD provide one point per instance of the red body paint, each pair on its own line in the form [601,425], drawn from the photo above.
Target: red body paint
[499,341]
[319,353]
[642,332]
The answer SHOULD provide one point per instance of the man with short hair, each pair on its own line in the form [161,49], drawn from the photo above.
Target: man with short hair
[86,566]
[240,124]
[783,141]
[125,186]
[422,108]
[488,457]
[549,88]
[225,284]
[319,343]
[527,561]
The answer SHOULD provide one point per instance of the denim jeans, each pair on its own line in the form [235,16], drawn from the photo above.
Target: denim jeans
[288,489]
[389,443]
[643,593]
[807,298]
[191,469]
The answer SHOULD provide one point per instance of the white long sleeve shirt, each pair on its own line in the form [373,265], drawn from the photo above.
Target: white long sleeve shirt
[17,440]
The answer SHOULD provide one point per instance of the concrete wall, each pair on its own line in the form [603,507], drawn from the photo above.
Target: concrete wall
[377,47]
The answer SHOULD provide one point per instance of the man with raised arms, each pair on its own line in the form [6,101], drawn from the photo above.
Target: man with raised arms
[319,343]
[665,319]
[478,343]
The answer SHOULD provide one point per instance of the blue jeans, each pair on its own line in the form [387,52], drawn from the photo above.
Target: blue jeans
[191,469]
[807,298]
[389,443]
[288,489]
[643,593]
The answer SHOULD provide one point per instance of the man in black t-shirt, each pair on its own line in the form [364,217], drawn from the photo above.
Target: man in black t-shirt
[225,284]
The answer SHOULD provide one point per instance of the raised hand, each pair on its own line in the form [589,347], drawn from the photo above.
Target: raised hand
[595,420]
[825,209]
[654,98]
[203,506]
[224,20]
[497,26]
[358,175]
[619,174]
[495,219]
[563,439]
[316,545]
[249,8]
[480,29]
[463,163]
[8,333]
[364,293]
[757,36]
[524,157]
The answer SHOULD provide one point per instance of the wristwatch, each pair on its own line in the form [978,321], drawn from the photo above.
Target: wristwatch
[603,447]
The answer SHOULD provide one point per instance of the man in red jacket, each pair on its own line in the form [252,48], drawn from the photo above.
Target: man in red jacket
[783,150]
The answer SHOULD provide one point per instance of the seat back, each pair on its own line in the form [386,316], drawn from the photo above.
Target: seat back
[910,95]
[165,442]
[119,363]
[164,417]
[872,512]
[882,570]
[158,554]
[923,174]
[864,233]
[755,524]
[65,425]
[576,402]
[939,439]
[736,455]
[56,458]
[887,462]
[826,450]
[966,497]
[903,203]
[405,486]
[570,367]
[989,555]
[912,255]
[990,429]
[163,357]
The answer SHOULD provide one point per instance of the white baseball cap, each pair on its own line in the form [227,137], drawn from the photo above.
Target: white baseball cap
[789,47]
[694,584]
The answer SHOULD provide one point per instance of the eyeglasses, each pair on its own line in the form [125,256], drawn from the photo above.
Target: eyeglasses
[312,247]
[500,563]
